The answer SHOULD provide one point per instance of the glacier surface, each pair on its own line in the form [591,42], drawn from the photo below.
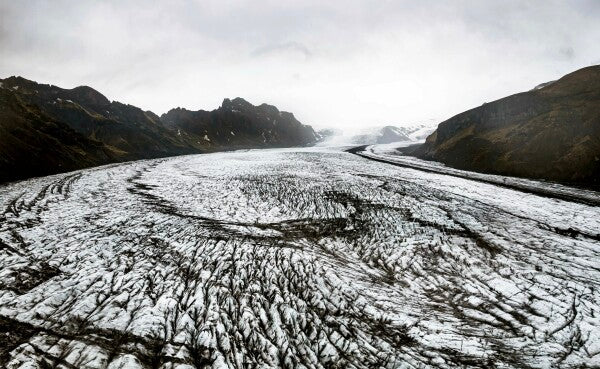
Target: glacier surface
[293,258]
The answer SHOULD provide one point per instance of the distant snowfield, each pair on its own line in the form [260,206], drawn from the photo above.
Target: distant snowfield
[372,135]
[294,258]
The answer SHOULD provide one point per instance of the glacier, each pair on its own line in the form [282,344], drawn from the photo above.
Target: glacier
[294,258]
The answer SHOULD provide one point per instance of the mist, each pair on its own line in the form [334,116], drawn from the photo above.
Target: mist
[340,64]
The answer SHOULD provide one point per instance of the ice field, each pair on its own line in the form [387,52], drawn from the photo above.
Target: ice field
[294,258]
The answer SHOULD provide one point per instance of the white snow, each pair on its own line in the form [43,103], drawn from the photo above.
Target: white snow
[313,256]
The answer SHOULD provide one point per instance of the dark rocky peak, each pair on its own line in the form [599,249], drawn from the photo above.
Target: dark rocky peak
[129,113]
[175,115]
[23,85]
[82,95]
[86,95]
[268,109]
[287,115]
[181,111]
[173,111]
[153,116]
[237,104]
[264,111]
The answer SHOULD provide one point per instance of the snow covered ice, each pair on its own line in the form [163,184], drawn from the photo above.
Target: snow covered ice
[293,258]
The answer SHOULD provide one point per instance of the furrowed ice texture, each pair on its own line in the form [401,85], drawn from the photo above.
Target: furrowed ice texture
[306,258]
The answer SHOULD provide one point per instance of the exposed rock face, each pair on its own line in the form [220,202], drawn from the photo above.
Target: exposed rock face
[239,124]
[104,131]
[32,143]
[125,127]
[550,133]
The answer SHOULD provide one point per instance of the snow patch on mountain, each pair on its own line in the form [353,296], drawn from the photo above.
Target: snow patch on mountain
[542,85]
[376,135]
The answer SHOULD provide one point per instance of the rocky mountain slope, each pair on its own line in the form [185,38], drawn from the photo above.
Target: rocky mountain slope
[88,129]
[239,124]
[551,132]
[33,143]
[136,133]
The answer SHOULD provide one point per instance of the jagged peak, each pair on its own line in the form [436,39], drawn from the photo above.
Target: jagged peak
[176,110]
[236,104]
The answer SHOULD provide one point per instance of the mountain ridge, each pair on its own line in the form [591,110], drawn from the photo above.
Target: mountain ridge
[550,133]
[125,132]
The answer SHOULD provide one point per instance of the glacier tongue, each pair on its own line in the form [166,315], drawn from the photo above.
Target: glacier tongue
[304,258]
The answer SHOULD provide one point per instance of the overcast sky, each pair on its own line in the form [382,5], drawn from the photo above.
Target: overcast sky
[332,63]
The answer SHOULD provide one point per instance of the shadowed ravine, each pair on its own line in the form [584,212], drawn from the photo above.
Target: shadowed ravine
[307,258]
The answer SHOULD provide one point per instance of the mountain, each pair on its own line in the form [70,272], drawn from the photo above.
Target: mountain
[326,133]
[374,135]
[383,135]
[137,134]
[47,129]
[551,132]
[420,132]
[32,143]
[239,124]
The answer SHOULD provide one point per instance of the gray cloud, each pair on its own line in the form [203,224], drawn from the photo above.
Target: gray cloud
[361,62]
[567,52]
[294,47]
